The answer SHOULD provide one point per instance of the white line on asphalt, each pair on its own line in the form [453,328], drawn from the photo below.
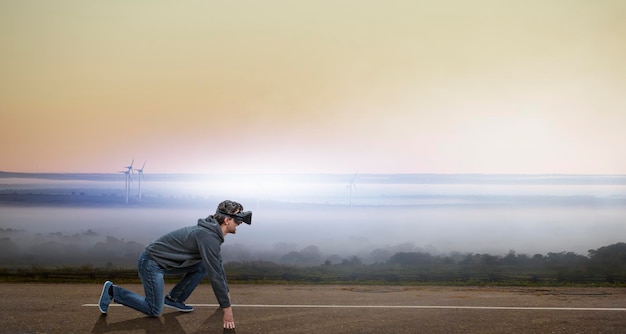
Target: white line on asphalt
[531,308]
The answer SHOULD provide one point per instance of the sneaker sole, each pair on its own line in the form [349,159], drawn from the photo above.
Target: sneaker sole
[104,288]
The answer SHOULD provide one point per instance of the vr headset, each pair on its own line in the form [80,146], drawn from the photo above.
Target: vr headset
[241,217]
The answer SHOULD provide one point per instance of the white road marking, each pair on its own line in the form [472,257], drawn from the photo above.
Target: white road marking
[531,308]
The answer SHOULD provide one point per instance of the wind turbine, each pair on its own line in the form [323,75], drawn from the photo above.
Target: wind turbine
[128,171]
[352,185]
[131,165]
[140,176]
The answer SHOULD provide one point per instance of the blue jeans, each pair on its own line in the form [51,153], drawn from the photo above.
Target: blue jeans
[151,275]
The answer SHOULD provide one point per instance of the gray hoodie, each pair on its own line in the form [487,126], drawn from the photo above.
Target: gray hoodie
[190,245]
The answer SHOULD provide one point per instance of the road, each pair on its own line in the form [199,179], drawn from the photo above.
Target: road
[70,308]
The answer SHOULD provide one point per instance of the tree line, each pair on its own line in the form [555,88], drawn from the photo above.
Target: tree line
[605,265]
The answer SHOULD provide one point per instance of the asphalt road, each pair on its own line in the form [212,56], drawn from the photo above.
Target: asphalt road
[70,308]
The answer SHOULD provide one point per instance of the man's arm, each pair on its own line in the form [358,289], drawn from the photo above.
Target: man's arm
[212,259]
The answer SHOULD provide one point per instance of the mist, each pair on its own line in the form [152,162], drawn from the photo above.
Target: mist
[320,221]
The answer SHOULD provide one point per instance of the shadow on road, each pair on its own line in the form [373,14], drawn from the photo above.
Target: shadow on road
[168,323]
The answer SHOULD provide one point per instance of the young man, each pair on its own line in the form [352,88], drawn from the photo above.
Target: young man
[193,251]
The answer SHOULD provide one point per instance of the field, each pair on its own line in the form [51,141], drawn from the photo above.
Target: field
[70,308]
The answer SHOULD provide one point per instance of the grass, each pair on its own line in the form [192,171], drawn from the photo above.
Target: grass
[88,274]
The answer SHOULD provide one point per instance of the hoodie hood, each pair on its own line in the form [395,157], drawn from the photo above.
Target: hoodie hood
[211,224]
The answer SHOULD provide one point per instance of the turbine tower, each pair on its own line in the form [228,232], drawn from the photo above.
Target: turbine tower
[140,176]
[128,171]
[352,185]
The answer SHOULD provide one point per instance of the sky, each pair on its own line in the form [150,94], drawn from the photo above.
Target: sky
[395,86]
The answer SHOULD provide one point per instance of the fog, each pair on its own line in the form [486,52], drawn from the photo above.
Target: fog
[317,220]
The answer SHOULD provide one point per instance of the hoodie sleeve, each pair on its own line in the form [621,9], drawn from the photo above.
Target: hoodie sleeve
[209,246]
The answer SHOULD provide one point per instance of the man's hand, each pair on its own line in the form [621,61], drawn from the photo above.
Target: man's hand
[229,319]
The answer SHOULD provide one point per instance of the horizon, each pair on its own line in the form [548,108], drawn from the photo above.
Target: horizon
[325,178]
[308,173]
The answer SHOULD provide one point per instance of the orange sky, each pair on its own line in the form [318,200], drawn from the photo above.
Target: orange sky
[313,86]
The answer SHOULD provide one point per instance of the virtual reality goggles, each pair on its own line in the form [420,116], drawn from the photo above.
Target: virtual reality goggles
[241,217]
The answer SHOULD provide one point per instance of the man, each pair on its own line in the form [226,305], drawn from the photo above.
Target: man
[194,251]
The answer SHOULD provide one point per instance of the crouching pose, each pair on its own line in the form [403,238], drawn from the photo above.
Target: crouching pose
[194,251]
